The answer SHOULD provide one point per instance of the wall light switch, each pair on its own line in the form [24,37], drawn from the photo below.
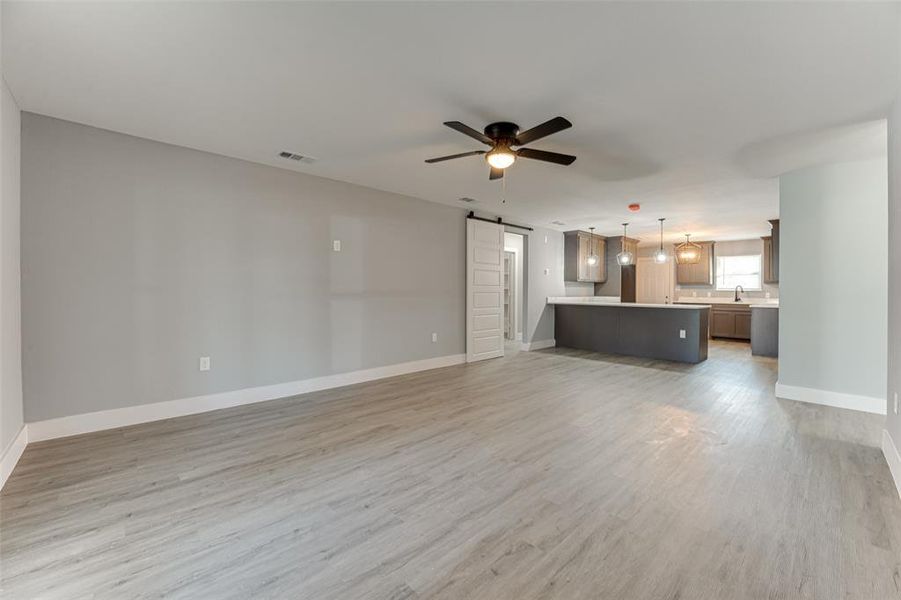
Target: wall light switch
[204,363]
[336,245]
[682,334]
[545,239]
[767,295]
[547,271]
[434,337]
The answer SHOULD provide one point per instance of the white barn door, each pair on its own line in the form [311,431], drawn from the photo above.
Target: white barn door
[484,290]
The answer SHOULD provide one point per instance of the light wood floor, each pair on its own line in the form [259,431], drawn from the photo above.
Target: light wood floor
[553,474]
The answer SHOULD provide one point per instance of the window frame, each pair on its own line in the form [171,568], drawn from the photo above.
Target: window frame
[721,277]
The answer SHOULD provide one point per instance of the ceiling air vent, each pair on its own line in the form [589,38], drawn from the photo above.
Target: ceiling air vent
[560,223]
[298,157]
[464,199]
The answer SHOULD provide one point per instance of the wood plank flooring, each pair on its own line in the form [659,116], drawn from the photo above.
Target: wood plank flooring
[552,474]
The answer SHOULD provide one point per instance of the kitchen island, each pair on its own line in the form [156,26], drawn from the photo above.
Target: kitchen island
[662,331]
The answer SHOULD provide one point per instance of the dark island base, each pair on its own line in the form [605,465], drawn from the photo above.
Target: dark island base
[633,331]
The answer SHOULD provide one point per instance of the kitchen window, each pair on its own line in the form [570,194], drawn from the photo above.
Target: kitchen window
[738,270]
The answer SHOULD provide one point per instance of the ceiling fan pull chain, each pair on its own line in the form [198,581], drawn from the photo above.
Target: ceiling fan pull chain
[504,190]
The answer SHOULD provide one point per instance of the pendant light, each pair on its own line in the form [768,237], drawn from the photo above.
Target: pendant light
[592,259]
[688,253]
[625,257]
[660,254]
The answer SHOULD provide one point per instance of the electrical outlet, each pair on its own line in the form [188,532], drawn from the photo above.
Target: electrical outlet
[547,271]
[434,337]
[708,294]
[336,245]
[694,294]
[204,363]
[682,334]
[545,239]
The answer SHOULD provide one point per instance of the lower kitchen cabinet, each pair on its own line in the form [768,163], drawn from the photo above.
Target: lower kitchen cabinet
[730,321]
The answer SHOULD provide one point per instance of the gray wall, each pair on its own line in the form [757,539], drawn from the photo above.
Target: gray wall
[11,410]
[139,257]
[544,253]
[893,421]
[833,229]
[613,285]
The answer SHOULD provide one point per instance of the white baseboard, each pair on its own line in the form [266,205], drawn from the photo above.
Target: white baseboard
[539,345]
[835,399]
[11,455]
[145,413]
[890,451]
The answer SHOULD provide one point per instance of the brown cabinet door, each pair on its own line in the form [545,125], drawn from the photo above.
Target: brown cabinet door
[743,325]
[731,322]
[700,273]
[584,269]
[722,324]
[577,247]
[768,275]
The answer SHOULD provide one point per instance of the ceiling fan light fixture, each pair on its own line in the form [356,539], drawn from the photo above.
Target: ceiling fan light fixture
[500,157]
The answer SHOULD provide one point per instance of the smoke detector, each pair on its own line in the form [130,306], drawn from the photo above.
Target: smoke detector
[297,157]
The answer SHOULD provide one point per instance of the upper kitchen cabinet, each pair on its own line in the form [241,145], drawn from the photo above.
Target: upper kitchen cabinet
[577,247]
[700,273]
[771,254]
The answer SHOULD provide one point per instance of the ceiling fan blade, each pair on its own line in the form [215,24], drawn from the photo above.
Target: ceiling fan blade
[554,157]
[539,131]
[452,156]
[467,130]
[496,174]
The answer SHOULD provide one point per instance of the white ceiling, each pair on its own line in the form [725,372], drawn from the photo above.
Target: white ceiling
[689,109]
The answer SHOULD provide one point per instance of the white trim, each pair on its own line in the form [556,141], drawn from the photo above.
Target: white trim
[828,398]
[539,345]
[893,458]
[12,454]
[145,413]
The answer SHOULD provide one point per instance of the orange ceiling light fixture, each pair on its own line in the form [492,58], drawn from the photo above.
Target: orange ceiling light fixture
[635,207]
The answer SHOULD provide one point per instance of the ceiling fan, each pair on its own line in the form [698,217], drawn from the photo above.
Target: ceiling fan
[503,136]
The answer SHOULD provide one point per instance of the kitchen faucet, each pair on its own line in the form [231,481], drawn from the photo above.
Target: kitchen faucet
[737,297]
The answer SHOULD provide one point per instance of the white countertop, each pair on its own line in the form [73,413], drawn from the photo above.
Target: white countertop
[721,300]
[614,301]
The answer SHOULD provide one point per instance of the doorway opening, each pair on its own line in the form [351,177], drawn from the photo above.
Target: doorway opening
[514,290]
